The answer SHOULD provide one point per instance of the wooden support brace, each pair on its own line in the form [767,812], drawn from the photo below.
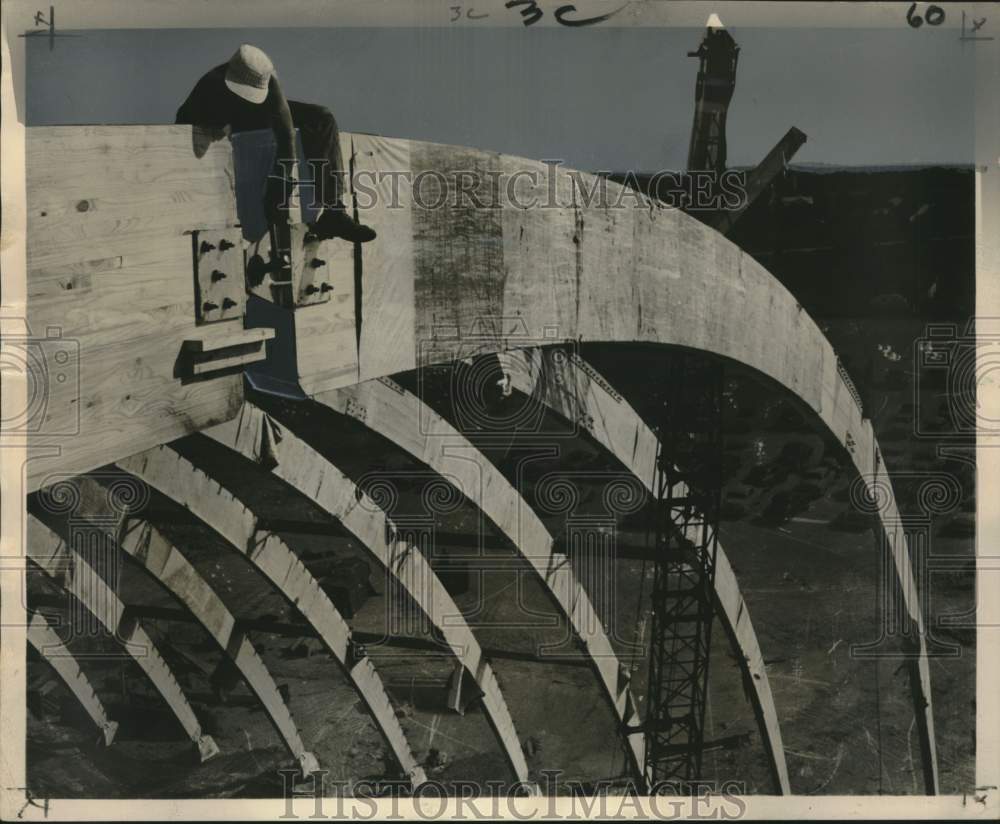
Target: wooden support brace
[301,466]
[174,476]
[51,554]
[50,647]
[401,417]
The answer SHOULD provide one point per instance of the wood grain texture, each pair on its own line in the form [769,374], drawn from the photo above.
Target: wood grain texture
[458,254]
[110,272]
[326,333]
[387,285]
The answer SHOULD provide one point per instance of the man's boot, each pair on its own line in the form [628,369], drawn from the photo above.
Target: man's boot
[335,222]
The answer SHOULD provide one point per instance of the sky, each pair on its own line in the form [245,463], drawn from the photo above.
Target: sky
[597,98]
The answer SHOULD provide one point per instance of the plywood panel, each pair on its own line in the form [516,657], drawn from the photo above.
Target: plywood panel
[542,294]
[326,333]
[458,254]
[66,201]
[111,289]
[387,284]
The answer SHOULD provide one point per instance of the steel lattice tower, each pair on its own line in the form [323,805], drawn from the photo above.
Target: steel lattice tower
[683,546]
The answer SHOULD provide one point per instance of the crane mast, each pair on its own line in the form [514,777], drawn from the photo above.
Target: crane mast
[718,54]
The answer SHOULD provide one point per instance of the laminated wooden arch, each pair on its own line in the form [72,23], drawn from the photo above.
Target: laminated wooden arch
[177,575]
[575,390]
[305,469]
[447,278]
[49,552]
[178,479]
[564,264]
[401,417]
[47,643]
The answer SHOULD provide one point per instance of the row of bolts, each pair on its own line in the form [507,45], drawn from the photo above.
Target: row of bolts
[218,275]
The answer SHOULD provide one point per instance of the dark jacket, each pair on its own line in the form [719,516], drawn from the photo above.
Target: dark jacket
[211,103]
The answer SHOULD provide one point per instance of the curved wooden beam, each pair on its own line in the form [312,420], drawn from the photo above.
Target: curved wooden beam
[306,470]
[614,269]
[165,563]
[178,479]
[617,269]
[49,552]
[575,390]
[170,567]
[54,652]
[404,419]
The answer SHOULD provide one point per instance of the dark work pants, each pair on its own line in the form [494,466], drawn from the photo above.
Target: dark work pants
[321,144]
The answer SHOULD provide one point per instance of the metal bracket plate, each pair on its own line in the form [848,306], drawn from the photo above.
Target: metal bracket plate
[220,293]
[310,268]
